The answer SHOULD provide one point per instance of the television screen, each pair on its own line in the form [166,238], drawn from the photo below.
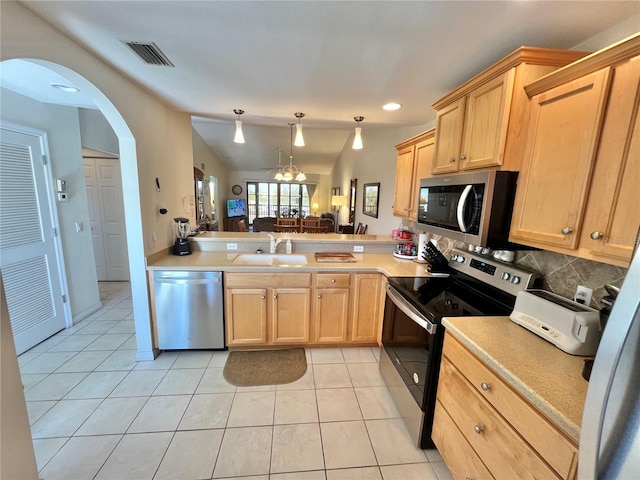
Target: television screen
[236,208]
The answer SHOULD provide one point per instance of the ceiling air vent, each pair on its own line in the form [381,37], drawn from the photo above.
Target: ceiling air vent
[149,53]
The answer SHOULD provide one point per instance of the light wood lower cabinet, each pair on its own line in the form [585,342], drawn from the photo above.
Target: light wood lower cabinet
[367,307]
[267,309]
[303,308]
[331,311]
[493,425]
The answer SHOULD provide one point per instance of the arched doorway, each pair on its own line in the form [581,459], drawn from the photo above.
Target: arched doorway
[131,198]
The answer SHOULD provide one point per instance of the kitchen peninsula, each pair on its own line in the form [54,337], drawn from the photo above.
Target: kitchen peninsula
[295,299]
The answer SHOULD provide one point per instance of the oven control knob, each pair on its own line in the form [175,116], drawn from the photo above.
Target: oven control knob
[505,276]
[416,379]
[459,258]
[515,280]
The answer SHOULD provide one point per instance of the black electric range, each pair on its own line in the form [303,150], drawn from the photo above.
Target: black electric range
[412,332]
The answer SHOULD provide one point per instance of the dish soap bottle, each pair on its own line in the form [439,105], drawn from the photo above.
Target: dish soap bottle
[288,246]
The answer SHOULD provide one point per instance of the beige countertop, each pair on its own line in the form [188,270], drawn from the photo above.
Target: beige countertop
[546,376]
[384,263]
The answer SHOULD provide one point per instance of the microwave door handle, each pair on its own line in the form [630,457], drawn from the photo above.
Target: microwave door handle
[410,311]
[461,207]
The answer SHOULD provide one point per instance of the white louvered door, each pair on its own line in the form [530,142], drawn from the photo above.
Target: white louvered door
[28,255]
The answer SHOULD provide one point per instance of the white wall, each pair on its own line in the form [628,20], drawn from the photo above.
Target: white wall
[63,132]
[155,141]
[375,163]
[96,133]
[612,35]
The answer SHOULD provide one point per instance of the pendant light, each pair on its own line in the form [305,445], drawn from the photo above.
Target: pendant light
[299,138]
[357,140]
[239,137]
[289,172]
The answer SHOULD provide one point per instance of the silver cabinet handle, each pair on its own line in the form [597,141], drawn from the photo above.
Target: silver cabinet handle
[275,297]
[333,280]
[263,297]
[485,386]
[319,296]
[478,429]
[596,235]
[452,160]
[567,230]
[463,158]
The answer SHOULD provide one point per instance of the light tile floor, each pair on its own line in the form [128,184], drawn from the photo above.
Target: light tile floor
[97,413]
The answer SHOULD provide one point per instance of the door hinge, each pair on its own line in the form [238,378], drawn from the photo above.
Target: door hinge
[64,299]
[44,159]
[54,232]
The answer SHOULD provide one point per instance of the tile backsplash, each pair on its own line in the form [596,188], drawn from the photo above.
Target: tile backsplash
[561,274]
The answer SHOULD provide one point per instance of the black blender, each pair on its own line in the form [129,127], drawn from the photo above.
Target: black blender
[181,245]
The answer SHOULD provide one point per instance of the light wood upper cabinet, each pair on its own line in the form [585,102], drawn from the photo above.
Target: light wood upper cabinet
[578,189]
[449,123]
[553,186]
[414,161]
[480,124]
[472,132]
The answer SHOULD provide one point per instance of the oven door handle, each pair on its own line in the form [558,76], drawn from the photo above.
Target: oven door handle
[462,203]
[410,311]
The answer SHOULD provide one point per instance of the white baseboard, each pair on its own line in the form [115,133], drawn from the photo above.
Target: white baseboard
[87,312]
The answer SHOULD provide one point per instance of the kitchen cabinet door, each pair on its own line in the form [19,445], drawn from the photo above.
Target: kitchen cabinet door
[613,216]
[404,181]
[290,314]
[449,124]
[485,123]
[552,190]
[331,315]
[366,311]
[423,162]
[246,316]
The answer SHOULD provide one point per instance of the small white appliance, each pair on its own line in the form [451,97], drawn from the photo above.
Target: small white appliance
[572,327]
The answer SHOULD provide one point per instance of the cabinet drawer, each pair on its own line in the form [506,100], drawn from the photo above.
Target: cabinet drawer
[333,280]
[454,448]
[267,280]
[556,449]
[501,449]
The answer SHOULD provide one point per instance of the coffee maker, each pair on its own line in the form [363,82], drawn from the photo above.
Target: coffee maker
[181,245]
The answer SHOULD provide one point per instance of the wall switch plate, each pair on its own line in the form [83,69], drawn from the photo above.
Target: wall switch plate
[358,248]
[232,246]
[583,295]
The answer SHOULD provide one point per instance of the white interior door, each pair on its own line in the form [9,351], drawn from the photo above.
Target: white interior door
[95,219]
[106,189]
[29,256]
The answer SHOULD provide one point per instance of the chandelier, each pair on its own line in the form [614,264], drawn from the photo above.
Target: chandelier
[289,172]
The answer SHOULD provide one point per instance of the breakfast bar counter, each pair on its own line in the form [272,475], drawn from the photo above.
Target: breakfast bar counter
[548,378]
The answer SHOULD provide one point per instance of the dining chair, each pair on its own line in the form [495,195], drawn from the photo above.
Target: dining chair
[362,229]
[287,221]
[242,225]
[309,222]
[286,228]
[317,229]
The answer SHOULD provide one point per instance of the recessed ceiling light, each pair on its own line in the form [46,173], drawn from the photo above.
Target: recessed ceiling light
[392,106]
[65,88]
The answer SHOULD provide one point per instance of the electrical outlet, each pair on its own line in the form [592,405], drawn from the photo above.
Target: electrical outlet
[232,246]
[358,248]
[583,295]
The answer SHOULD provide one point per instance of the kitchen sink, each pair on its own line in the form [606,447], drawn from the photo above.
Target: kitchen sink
[269,260]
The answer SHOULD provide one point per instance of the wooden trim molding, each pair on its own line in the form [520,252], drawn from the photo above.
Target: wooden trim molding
[610,56]
[417,138]
[528,55]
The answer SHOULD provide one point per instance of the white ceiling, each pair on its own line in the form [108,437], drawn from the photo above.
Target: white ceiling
[329,59]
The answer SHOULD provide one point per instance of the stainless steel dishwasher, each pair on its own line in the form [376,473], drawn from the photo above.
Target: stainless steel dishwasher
[189,310]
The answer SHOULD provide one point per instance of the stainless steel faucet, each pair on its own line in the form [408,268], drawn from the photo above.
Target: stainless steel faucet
[273,243]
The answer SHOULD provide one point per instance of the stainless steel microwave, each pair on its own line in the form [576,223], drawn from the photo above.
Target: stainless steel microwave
[470,207]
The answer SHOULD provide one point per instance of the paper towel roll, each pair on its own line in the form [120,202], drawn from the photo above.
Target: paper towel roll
[423,238]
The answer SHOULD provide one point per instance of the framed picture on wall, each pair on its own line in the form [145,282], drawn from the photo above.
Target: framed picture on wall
[370,199]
